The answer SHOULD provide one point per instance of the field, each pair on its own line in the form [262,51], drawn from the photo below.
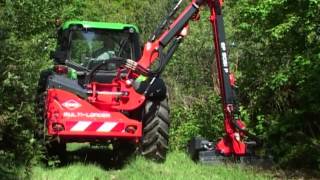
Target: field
[86,163]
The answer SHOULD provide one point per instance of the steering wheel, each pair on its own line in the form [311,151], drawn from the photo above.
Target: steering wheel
[119,61]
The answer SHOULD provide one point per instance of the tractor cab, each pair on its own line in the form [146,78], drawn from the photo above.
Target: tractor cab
[82,45]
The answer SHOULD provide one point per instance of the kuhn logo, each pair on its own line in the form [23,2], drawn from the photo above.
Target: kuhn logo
[71,104]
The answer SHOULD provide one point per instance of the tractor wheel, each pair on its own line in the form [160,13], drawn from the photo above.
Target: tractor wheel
[156,130]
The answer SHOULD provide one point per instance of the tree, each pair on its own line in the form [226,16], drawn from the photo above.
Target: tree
[278,50]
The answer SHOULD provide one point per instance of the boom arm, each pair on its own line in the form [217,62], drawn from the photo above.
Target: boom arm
[153,48]
[232,143]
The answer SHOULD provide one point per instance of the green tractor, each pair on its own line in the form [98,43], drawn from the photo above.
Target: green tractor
[89,97]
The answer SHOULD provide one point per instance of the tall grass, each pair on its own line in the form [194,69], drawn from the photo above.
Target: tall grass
[177,166]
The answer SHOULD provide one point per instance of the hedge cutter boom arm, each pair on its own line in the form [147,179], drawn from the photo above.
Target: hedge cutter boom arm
[169,35]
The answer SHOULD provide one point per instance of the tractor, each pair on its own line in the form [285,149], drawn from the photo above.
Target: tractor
[105,88]
[84,98]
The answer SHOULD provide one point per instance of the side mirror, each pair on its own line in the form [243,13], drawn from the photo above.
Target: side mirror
[58,56]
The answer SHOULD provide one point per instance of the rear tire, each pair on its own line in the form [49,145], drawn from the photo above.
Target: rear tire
[156,125]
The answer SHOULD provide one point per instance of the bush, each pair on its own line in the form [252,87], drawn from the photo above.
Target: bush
[203,117]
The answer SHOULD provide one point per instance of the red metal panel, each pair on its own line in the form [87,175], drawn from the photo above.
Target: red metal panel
[82,119]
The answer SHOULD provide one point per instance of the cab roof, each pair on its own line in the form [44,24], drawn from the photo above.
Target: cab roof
[99,25]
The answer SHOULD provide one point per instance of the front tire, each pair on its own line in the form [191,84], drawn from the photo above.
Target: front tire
[156,123]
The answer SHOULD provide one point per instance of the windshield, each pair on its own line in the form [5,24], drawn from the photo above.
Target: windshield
[89,47]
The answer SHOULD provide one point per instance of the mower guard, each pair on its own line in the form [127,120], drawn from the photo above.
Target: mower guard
[71,117]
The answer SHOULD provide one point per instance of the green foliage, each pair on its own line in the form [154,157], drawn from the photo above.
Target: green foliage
[194,117]
[278,47]
[145,14]
[26,27]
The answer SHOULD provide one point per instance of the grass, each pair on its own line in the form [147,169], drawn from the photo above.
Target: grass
[93,165]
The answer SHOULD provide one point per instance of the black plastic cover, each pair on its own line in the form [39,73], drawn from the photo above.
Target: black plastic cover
[155,91]
[62,82]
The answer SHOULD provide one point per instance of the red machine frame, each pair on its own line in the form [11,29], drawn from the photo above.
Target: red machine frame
[100,116]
